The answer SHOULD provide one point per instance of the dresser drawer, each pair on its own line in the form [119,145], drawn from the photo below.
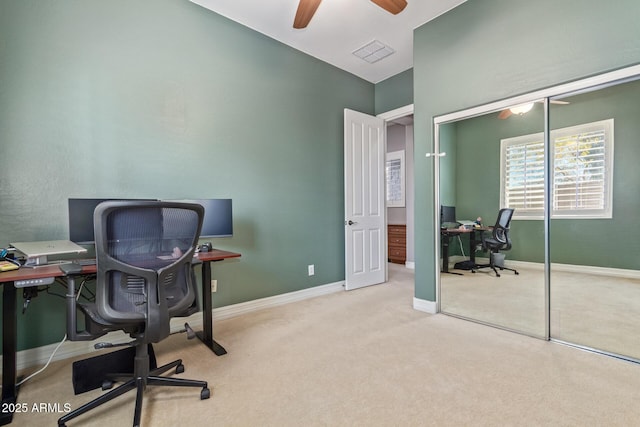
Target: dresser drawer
[397,230]
[397,241]
[397,253]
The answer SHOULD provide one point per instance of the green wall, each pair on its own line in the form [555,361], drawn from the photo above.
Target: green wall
[486,50]
[394,92]
[165,99]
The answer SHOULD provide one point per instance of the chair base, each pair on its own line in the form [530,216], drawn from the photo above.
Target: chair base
[494,267]
[138,382]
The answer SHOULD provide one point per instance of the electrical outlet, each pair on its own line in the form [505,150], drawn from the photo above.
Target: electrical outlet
[214,285]
[311,268]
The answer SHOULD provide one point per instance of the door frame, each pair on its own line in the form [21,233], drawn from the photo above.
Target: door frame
[388,116]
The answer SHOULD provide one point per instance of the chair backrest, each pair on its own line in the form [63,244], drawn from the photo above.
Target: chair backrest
[501,229]
[144,253]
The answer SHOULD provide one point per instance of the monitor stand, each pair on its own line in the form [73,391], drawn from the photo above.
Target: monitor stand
[41,261]
[36,261]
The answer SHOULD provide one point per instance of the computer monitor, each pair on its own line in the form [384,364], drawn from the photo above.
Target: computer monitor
[447,215]
[81,219]
[218,218]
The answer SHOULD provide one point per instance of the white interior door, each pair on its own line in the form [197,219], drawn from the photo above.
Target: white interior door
[365,236]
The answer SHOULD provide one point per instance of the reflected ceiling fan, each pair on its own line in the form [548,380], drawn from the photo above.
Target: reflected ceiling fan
[525,108]
[306,9]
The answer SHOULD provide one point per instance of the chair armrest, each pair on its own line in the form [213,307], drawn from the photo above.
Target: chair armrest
[92,329]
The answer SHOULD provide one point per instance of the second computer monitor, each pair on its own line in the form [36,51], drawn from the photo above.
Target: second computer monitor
[447,215]
[218,218]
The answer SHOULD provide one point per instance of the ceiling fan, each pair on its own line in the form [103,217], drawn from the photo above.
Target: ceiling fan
[525,108]
[306,9]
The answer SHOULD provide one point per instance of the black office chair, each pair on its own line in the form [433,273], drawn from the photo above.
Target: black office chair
[144,253]
[499,241]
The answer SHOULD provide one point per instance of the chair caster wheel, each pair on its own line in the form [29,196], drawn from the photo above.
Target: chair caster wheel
[205,394]
[473,271]
[180,369]
[107,384]
[517,273]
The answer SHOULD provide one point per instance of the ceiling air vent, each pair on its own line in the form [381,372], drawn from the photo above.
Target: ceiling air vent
[373,52]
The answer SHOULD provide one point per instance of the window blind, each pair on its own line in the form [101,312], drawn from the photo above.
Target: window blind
[582,167]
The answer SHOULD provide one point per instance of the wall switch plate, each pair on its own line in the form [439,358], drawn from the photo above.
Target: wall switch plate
[311,270]
[214,285]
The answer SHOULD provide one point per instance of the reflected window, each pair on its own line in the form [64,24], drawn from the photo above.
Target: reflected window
[582,164]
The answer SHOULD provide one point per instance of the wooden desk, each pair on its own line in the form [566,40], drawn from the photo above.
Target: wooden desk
[10,316]
[447,233]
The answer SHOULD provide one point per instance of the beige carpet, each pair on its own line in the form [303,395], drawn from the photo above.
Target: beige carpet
[595,311]
[366,358]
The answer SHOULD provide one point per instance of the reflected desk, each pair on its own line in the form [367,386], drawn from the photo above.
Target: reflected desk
[10,317]
[445,238]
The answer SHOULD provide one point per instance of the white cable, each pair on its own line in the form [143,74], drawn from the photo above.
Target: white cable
[46,365]
[461,247]
[54,350]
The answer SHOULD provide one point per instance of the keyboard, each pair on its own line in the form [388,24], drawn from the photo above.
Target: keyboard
[85,261]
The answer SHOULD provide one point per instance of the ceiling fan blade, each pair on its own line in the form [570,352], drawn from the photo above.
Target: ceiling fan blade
[391,6]
[306,9]
[504,114]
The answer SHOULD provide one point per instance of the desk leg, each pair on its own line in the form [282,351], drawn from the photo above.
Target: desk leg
[206,335]
[445,252]
[473,242]
[445,255]
[472,247]
[9,349]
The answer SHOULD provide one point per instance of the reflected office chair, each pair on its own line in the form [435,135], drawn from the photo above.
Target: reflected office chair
[144,252]
[499,241]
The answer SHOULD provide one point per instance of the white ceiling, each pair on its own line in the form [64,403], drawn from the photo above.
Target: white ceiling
[338,28]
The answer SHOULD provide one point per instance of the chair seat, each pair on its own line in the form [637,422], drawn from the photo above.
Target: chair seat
[493,243]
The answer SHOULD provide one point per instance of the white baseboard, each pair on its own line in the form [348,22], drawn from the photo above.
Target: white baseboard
[274,301]
[410,265]
[557,267]
[572,268]
[39,356]
[425,305]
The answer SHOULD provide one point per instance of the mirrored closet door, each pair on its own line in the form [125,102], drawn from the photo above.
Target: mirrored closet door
[486,164]
[568,167]
[594,232]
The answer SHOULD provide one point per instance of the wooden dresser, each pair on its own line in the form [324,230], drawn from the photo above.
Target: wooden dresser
[397,243]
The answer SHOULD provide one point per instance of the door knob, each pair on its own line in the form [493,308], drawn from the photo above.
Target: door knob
[351,222]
